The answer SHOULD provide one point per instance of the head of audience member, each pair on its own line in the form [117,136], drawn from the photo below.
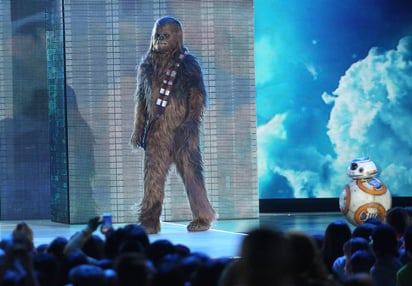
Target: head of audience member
[209,272]
[364,230]
[46,267]
[190,263]
[408,241]
[70,260]
[385,241]
[133,269]
[373,220]
[21,241]
[336,234]
[398,218]
[318,237]
[409,211]
[42,248]
[131,245]
[104,263]
[136,232]
[306,263]
[182,250]
[131,237]
[159,249]
[87,275]
[75,258]
[360,261]
[24,228]
[354,244]
[56,247]
[94,247]
[264,258]
[169,271]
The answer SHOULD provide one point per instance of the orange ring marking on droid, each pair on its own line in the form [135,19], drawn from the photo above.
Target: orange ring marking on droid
[363,209]
[373,190]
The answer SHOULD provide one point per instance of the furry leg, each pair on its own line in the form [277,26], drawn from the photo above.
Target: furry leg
[156,170]
[189,166]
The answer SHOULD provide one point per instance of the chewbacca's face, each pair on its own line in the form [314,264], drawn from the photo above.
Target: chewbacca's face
[166,38]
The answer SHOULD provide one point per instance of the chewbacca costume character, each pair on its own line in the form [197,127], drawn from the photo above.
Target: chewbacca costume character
[170,97]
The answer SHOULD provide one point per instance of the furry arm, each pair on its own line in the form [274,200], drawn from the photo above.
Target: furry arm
[140,119]
[197,97]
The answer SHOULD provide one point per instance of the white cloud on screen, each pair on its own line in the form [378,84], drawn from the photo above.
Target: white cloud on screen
[268,134]
[301,165]
[372,114]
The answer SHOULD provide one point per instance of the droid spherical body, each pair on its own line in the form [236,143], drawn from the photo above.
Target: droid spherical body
[365,196]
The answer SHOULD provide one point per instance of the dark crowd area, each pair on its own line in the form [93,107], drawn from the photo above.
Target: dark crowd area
[374,253]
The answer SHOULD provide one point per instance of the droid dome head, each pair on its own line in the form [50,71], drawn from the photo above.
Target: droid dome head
[362,168]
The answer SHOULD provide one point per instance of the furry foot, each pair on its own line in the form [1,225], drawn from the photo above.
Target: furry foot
[195,226]
[151,229]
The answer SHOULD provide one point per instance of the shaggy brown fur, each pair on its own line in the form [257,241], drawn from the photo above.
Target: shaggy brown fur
[173,137]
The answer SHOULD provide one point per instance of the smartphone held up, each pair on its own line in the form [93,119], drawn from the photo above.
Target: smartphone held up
[106,223]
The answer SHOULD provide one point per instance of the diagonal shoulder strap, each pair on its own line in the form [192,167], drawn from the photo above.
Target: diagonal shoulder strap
[167,84]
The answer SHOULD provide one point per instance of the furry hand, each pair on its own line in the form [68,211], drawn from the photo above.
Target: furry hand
[135,140]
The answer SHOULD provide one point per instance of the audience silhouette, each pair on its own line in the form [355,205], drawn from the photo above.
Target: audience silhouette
[404,275]
[386,248]
[368,256]
[336,234]
[339,267]
[360,261]
[306,264]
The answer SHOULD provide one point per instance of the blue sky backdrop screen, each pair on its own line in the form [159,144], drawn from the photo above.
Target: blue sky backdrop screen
[334,82]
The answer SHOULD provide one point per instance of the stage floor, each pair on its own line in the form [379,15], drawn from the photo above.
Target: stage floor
[222,240]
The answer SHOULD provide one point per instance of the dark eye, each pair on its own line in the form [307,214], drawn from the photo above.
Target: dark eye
[166,36]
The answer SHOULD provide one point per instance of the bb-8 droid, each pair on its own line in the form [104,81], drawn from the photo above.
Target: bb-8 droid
[365,196]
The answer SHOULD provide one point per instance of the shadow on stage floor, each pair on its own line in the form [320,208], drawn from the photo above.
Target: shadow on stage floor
[223,240]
